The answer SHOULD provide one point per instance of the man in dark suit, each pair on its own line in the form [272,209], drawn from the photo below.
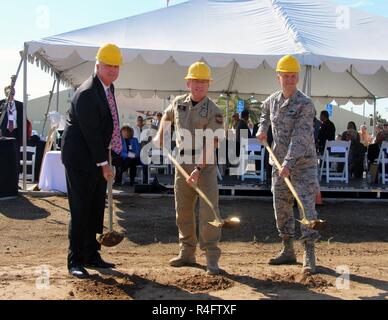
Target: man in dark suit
[92,127]
[242,130]
[326,132]
[12,124]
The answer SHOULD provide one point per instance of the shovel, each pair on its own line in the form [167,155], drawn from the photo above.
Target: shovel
[311,224]
[111,238]
[218,222]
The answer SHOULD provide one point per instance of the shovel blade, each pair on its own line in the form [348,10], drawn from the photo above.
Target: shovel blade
[110,239]
[226,224]
[314,224]
[231,223]
[216,223]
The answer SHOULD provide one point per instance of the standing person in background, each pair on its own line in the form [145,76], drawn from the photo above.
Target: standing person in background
[156,121]
[242,130]
[139,128]
[12,125]
[326,132]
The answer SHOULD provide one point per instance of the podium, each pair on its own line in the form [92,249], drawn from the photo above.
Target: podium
[9,175]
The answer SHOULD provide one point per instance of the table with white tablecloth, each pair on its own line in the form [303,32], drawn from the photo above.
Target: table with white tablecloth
[52,176]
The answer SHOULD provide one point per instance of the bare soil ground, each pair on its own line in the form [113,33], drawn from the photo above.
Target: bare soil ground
[33,248]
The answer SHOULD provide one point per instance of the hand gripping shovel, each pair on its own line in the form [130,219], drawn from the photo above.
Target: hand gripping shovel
[218,222]
[111,238]
[311,224]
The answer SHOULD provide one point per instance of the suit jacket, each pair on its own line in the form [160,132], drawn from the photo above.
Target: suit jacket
[241,126]
[326,132]
[89,127]
[19,121]
[135,147]
[254,132]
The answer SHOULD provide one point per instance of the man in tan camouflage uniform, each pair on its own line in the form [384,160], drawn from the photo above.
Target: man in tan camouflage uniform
[291,115]
[191,112]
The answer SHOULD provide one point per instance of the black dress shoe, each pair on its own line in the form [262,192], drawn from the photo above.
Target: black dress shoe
[79,272]
[99,263]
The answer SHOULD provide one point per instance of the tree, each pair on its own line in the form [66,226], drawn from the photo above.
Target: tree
[251,104]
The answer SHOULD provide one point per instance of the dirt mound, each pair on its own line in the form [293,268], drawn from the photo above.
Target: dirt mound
[297,281]
[204,283]
[103,289]
[314,281]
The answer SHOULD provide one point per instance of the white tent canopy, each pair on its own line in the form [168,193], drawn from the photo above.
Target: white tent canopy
[241,40]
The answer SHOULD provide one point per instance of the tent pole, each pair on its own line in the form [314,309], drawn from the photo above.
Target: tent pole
[25,101]
[227,110]
[307,81]
[49,105]
[58,82]
[309,78]
[374,112]
[304,88]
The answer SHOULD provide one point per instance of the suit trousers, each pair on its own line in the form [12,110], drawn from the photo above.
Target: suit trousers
[86,193]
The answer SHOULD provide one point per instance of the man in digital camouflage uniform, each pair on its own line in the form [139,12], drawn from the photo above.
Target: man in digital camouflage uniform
[291,114]
[188,113]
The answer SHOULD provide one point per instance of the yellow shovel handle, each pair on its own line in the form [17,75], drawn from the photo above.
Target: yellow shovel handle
[286,179]
[195,187]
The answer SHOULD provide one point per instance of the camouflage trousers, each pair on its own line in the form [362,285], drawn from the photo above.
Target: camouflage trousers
[305,182]
[185,202]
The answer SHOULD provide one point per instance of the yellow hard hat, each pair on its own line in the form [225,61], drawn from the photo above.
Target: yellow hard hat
[199,71]
[288,64]
[110,54]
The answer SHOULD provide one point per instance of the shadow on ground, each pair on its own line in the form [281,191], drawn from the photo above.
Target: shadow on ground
[152,220]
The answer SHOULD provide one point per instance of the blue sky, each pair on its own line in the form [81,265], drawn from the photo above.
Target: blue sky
[23,20]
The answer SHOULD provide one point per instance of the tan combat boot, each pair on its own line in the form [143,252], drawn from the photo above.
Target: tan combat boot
[309,258]
[287,255]
[212,267]
[183,259]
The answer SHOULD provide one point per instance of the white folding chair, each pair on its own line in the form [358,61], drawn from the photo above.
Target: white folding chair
[251,151]
[30,163]
[383,160]
[335,152]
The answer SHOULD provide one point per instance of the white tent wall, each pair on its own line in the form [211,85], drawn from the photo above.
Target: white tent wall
[129,107]
[250,34]
[241,40]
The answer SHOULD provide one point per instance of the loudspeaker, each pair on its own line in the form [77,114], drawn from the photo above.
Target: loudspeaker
[9,173]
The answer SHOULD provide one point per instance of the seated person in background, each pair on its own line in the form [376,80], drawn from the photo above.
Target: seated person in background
[385,131]
[374,148]
[130,154]
[356,153]
[354,136]
[373,155]
[365,137]
[352,125]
